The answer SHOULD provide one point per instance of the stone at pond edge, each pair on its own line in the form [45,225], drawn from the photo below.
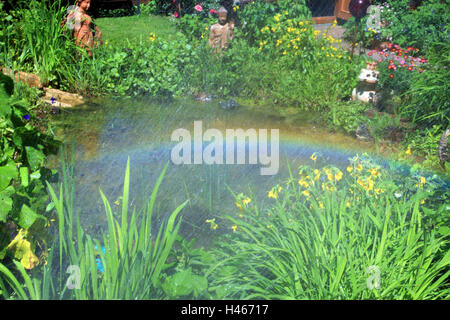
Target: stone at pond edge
[362,133]
[62,99]
[30,79]
[203,97]
[230,104]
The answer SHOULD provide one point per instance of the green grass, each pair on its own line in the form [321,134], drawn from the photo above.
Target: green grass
[117,30]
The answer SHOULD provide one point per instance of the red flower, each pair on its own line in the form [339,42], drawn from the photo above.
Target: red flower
[198,8]
[369,54]
[391,76]
[386,55]
[175,14]
[213,11]
[391,61]
[410,68]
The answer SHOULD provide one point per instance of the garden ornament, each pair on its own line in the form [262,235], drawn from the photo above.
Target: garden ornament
[221,33]
[87,35]
[368,79]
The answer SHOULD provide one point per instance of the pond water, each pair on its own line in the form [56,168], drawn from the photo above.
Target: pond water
[106,132]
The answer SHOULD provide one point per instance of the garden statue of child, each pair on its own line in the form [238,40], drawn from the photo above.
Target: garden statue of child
[87,35]
[221,33]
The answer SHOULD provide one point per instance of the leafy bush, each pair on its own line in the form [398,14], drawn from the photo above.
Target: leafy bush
[35,41]
[426,28]
[346,116]
[196,26]
[259,14]
[425,144]
[428,102]
[149,8]
[22,181]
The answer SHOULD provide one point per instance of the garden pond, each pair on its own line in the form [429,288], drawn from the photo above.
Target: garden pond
[104,133]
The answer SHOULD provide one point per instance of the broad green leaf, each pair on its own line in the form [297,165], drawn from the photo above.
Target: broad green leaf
[7,173]
[5,202]
[184,283]
[27,216]
[24,176]
[35,157]
[35,175]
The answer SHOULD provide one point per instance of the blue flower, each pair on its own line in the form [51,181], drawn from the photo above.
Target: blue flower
[99,265]
[99,261]
[26,117]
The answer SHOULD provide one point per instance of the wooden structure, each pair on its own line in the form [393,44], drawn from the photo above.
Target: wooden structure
[341,11]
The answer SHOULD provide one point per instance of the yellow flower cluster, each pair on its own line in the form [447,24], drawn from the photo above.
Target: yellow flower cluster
[289,36]
[212,223]
[421,183]
[152,36]
[274,192]
[243,202]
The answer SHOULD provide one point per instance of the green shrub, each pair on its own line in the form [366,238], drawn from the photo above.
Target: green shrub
[259,14]
[426,28]
[346,116]
[23,195]
[427,98]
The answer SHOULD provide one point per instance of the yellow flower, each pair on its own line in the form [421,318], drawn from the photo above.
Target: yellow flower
[370,187]
[214,227]
[359,167]
[106,42]
[421,182]
[286,13]
[272,194]
[348,204]
[422,201]
[301,23]
[408,152]
[284,52]
[306,193]
[238,205]
[350,168]
[375,173]
[303,183]
[279,189]
[330,177]
[313,157]
[234,228]
[339,176]
[321,204]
